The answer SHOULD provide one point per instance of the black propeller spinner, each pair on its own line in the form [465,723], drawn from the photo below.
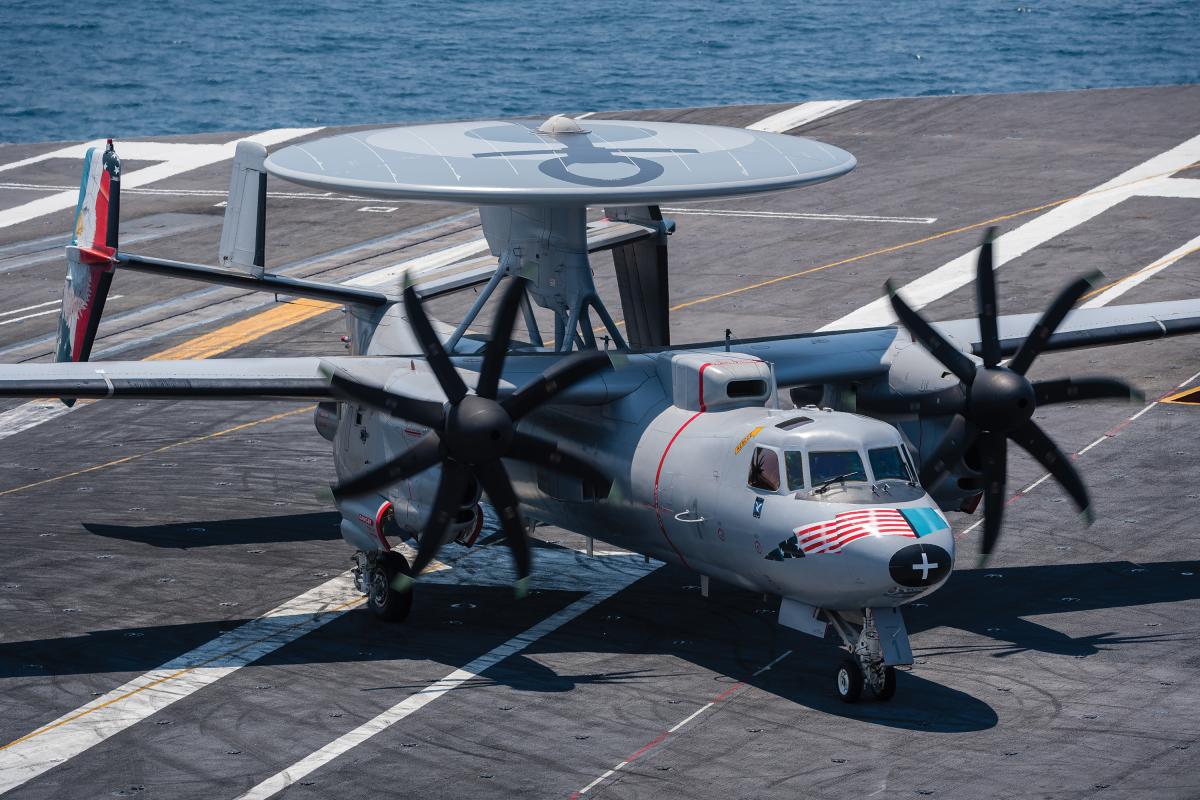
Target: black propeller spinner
[995,403]
[470,433]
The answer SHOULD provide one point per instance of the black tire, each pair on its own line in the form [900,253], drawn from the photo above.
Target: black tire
[385,602]
[849,681]
[889,685]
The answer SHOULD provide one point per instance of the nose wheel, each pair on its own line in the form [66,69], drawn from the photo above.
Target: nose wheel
[866,663]
[375,574]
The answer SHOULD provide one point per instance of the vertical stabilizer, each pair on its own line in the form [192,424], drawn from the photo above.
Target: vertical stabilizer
[89,268]
[642,278]
[243,233]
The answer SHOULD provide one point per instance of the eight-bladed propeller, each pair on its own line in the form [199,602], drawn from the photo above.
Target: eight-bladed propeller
[471,433]
[995,403]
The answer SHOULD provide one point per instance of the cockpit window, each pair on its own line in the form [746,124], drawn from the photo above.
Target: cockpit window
[886,462]
[794,459]
[764,470]
[844,465]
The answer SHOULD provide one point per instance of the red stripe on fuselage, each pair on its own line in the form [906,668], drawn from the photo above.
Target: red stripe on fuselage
[658,476]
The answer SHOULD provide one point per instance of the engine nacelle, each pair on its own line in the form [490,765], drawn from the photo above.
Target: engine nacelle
[326,418]
[913,373]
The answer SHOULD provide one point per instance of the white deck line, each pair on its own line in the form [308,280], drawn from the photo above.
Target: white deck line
[1142,275]
[1148,176]
[179,158]
[105,716]
[792,118]
[30,415]
[415,702]
[114,711]
[1174,187]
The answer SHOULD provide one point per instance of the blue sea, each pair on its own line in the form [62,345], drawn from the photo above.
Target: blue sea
[76,70]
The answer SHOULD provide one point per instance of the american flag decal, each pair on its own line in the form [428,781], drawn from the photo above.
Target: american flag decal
[832,535]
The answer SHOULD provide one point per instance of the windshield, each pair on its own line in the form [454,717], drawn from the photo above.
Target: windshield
[887,463]
[838,465]
[794,459]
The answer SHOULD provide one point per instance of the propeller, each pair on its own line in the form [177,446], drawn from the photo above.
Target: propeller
[470,433]
[995,404]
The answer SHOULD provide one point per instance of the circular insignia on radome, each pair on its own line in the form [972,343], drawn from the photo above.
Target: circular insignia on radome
[920,565]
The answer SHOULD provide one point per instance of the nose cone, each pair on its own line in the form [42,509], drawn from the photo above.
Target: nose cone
[920,565]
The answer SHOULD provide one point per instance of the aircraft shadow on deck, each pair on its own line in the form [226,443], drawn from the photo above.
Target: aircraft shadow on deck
[215,533]
[732,634]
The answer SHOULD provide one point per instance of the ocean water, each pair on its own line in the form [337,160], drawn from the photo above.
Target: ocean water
[75,70]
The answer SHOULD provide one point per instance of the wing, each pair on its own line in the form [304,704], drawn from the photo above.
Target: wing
[841,356]
[287,378]
[217,379]
[1089,327]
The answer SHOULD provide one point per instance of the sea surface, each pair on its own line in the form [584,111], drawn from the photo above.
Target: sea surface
[75,70]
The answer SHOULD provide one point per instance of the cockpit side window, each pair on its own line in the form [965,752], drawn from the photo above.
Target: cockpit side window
[886,462]
[794,461]
[844,465]
[764,470]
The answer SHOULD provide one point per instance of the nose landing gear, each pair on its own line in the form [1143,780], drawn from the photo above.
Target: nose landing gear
[872,658]
[374,575]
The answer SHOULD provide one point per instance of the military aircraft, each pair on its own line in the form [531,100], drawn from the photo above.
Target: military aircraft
[815,467]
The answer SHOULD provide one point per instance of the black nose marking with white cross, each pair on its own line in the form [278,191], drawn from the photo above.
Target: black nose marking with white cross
[919,565]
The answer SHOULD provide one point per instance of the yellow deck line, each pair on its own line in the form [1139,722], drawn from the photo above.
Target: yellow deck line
[244,331]
[163,449]
[923,240]
[1166,261]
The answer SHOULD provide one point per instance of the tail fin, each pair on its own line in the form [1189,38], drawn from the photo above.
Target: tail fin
[89,268]
[244,228]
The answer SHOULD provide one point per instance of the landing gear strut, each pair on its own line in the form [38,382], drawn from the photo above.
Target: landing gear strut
[374,574]
[869,663]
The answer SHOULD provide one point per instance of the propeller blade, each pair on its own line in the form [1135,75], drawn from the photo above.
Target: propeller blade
[421,456]
[993,450]
[451,487]
[934,342]
[497,347]
[536,450]
[950,400]
[495,482]
[348,389]
[1039,445]
[950,449]
[1053,316]
[1065,390]
[985,301]
[451,382]
[562,375]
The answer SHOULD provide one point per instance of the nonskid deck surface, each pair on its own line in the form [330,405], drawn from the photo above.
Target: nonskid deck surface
[176,622]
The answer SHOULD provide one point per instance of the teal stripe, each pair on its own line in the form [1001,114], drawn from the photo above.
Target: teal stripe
[924,520]
[87,167]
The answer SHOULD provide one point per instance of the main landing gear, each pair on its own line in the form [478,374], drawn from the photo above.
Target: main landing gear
[374,575]
[871,660]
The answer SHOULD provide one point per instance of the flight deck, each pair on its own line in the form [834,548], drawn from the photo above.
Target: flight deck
[178,620]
